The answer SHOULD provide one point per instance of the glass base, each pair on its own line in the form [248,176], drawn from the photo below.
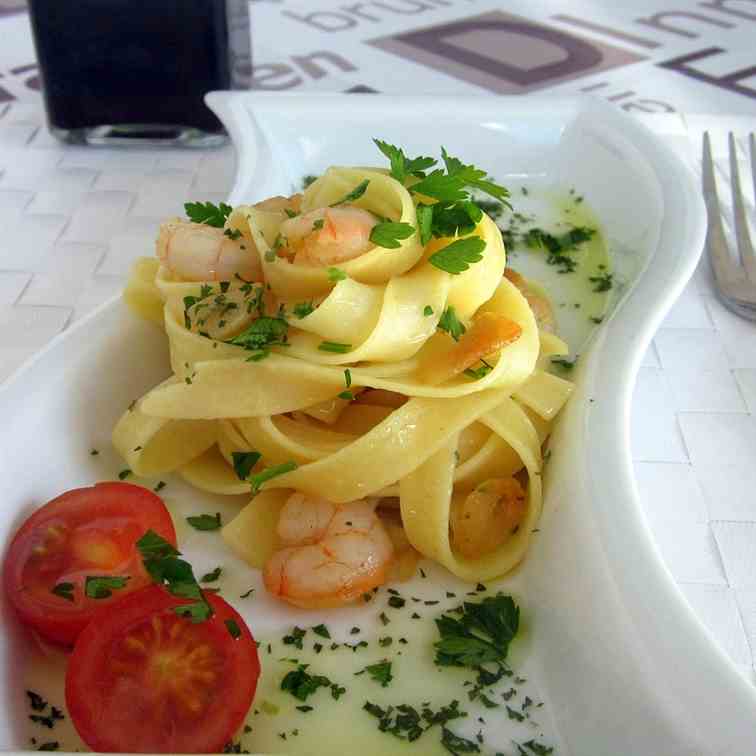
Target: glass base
[140,135]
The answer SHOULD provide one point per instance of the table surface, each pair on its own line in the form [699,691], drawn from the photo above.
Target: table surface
[73,219]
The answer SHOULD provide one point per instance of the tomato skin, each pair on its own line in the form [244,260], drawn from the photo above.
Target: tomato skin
[89,531]
[121,702]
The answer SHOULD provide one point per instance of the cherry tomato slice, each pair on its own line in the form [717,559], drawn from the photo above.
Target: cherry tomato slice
[142,679]
[87,532]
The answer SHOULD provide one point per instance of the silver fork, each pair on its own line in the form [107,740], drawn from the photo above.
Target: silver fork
[736,280]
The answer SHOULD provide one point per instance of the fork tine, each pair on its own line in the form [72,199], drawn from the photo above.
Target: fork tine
[725,270]
[745,248]
[752,150]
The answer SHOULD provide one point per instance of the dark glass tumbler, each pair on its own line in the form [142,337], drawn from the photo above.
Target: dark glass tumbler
[135,71]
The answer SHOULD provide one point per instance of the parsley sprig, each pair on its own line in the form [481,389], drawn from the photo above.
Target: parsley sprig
[482,633]
[208,213]
[389,234]
[161,560]
[455,212]
[456,258]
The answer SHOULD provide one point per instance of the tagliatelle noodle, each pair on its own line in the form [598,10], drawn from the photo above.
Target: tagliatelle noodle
[223,386]
[426,499]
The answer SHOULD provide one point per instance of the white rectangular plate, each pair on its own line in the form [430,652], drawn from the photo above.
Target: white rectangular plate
[621,663]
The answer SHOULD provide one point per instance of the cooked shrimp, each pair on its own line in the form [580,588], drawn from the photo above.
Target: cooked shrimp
[329,235]
[488,334]
[487,517]
[197,252]
[331,555]
[280,203]
[539,304]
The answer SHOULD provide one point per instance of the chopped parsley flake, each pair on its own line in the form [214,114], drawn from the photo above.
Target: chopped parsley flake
[397,602]
[36,701]
[233,628]
[355,194]
[103,587]
[269,473]
[303,309]
[211,577]
[538,748]
[318,224]
[335,347]
[124,474]
[380,672]
[302,685]
[336,274]
[234,234]
[602,282]
[205,521]
[482,634]
[160,486]
[563,363]
[64,590]
[322,631]
[456,744]
[427,311]
[264,332]
[244,462]
[450,323]
[295,639]
[161,560]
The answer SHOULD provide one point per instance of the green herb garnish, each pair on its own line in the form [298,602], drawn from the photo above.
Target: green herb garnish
[482,633]
[450,323]
[322,631]
[269,473]
[389,234]
[563,362]
[101,587]
[36,701]
[205,521]
[208,213]
[336,274]
[264,332]
[380,672]
[303,309]
[456,744]
[302,685]
[401,165]
[356,193]
[233,628]
[124,474]
[234,234]
[456,258]
[244,463]
[602,282]
[334,346]
[161,560]
[64,590]
[212,577]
